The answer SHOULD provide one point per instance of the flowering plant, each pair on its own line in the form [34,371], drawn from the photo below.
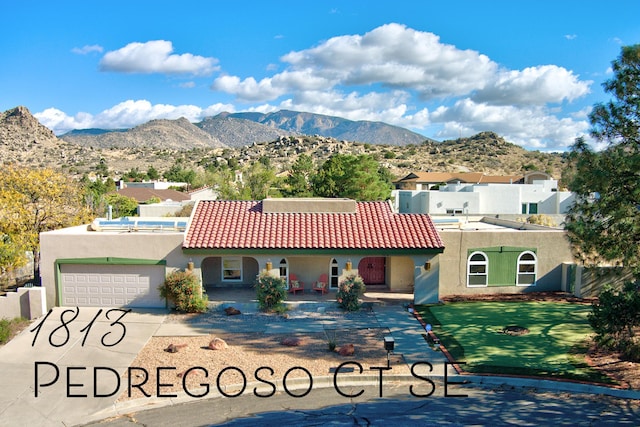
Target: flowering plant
[271,291]
[183,289]
[349,292]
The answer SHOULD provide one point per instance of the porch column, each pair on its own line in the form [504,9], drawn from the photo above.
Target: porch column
[426,280]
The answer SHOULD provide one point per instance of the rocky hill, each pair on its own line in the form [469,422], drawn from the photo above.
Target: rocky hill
[24,141]
[177,134]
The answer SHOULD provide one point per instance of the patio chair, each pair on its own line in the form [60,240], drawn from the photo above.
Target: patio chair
[295,285]
[322,284]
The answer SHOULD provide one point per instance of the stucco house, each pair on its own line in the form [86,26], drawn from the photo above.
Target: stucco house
[227,243]
[491,255]
[477,194]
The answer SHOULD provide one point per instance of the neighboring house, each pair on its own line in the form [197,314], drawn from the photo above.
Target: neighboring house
[429,180]
[492,256]
[460,198]
[228,243]
[141,195]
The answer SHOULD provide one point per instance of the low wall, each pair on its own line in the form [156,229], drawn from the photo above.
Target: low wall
[29,303]
[588,282]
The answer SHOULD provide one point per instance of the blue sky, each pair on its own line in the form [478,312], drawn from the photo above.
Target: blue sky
[528,70]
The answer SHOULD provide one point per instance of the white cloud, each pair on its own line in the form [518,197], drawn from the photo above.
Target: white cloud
[570,36]
[534,86]
[87,49]
[531,127]
[125,115]
[392,73]
[156,57]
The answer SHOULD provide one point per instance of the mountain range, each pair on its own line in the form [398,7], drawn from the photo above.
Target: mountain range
[240,129]
[162,143]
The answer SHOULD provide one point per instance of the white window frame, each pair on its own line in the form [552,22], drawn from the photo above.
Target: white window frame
[234,260]
[334,279]
[284,265]
[474,263]
[521,262]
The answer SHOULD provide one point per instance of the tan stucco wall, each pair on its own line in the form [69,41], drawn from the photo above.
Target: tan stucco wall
[400,273]
[78,243]
[552,250]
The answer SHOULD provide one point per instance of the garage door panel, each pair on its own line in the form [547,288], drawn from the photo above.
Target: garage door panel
[112,285]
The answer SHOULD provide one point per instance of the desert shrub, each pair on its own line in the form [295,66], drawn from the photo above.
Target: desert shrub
[631,351]
[542,219]
[615,318]
[271,292]
[349,292]
[183,289]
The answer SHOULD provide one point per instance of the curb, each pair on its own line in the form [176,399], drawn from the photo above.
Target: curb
[247,390]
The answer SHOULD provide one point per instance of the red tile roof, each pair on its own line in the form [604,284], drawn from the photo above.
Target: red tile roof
[219,224]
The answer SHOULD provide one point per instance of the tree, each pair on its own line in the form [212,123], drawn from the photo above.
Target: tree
[134,175]
[259,182]
[152,173]
[177,173]
[604,222]
[121,205]
[33,201]
[356,177]
[299,179]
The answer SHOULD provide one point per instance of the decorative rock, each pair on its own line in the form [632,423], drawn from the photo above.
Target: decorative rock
[173,348]
[347,350]
[218,344]
[292,341]
[231,311]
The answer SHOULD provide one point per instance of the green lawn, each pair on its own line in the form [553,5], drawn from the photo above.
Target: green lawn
[554,346]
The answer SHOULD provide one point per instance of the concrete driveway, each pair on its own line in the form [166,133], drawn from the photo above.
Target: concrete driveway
[70,366]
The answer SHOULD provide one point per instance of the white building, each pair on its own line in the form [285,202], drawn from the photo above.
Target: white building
[457,198]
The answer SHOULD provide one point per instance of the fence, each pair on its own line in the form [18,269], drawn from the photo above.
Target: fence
[587,282]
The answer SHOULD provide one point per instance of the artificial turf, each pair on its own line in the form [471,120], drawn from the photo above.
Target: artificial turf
[555,345]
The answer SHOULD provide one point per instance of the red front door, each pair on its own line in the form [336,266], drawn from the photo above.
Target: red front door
[372,270]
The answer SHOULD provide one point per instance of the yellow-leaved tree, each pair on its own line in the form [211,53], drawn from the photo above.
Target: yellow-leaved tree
[33,201]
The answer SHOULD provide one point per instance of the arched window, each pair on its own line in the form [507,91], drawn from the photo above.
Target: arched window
[477,269]
[527,269]
[284,270]
[334,274]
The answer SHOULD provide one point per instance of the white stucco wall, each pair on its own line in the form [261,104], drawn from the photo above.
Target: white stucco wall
[485,199]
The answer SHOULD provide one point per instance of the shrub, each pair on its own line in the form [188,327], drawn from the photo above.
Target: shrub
[615,317]
[183,289]
[271,292]
[542,219]
[349,292]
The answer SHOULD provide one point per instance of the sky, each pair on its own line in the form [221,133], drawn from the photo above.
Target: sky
[529,70]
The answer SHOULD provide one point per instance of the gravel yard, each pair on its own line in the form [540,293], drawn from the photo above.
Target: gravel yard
[256,350]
